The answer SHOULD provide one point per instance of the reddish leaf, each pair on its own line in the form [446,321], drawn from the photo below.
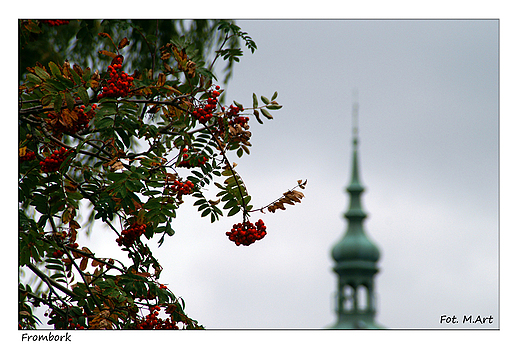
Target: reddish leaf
[108,53]
[123,43]
[83,264]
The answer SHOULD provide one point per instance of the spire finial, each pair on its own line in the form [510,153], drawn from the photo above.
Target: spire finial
[355,121]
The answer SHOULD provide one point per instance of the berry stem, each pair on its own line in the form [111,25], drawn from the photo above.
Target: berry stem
[276,200]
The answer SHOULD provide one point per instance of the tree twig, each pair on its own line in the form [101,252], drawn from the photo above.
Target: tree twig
[50,282]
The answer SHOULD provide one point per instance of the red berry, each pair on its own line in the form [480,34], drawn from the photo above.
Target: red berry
[246,233]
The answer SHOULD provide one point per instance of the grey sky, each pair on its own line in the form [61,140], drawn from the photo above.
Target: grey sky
[428,96]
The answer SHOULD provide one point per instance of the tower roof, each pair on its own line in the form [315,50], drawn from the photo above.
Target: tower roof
[355,245]
[356,257]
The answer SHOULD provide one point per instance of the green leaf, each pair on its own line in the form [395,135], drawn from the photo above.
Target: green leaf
[116,176]
[58,101]
[54,85]
[160,229]
[74,195]
[230,181]
[46,100]
[266,114]
[227,172]
[238,104]
[275,95]
[57,275]
[34,78]
[203,206]
[273,106]
[234,210]
[70,101]
[196,173]
[232,196]
[124,136]
[52,261]
[199,202]
[75,76]
[66,82]
[55,70]
[231,203]
[219,185]
[83,95]
[55,267]
[257,115]
[151,193]
[133,185]
[104,123]
[86,75]
[217,211]
[155,184]
[41,73]
[265,100]
[255,101]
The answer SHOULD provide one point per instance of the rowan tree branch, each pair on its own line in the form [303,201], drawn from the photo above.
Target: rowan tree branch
[50,282]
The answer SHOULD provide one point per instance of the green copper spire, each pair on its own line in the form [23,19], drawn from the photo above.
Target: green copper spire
[355,256]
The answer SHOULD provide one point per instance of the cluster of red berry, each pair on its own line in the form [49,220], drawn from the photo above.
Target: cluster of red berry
[83,118]
[73,325]
[131,234]
[233,111]
[151,321]
[53,162]
[59,253]
[242,121]
[203,114]
[232,115]
[28,156]
[119,83]
[60,321]
[195,161]
[246,233]
[54,22]
[180,188]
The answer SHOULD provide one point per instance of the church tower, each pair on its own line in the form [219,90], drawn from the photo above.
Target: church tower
[355,257]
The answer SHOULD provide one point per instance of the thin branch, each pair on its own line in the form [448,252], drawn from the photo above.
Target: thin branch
[218,51]
[44,301]
[50,282]
[168,103]
[40,108]
[88,142]
[273,202]
[91,256]
[228,163]
[98,303]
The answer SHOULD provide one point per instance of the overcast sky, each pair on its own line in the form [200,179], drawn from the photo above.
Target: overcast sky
[428,97]
[428,117]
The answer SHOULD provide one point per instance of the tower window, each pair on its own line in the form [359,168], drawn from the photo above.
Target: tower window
[362,294]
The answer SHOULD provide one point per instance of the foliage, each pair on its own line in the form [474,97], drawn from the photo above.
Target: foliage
[46,41]
[131,146]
